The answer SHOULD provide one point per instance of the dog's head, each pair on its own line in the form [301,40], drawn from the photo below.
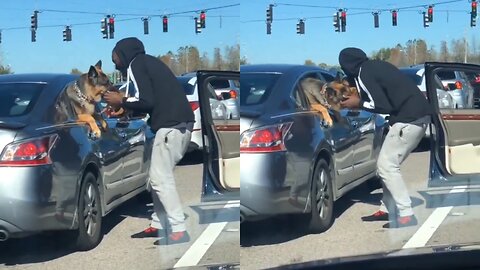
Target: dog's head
[97,82]
[337,90]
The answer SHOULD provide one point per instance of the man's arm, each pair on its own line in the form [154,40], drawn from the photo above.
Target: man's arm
[145,101]
[379,102]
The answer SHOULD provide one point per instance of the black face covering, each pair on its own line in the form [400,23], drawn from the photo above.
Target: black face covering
[351,59]
[127,49]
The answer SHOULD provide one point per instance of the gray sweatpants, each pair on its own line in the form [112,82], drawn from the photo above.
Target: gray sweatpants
[169,148]
[401,140]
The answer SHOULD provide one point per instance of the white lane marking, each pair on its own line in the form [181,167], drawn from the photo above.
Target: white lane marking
[195,253]
[426,231]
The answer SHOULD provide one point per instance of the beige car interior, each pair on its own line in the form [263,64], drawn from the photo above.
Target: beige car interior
[462,145]
[228,136]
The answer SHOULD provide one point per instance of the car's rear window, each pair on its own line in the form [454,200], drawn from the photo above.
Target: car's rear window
[446,75]
[188,88]
[412,74]
[18,99]
[220,84]
[256,87]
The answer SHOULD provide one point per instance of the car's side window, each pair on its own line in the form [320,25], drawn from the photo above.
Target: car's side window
[301,95]
[461,93]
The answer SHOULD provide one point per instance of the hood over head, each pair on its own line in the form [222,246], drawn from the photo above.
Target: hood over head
[351,59]
[127,49]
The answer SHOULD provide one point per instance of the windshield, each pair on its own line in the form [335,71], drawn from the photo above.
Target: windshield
[255,88]
[18,99]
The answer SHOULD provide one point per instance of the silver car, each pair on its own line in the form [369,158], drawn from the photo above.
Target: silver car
[295,163]
[55,176]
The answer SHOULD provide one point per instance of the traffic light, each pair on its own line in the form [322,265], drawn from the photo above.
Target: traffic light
[301,27]
[430,13]
[343,20]
[145,26]
[394,17]
[336,21]
[104,28]
[165,24]
[111,25]
[67,34]
[34,35]
[473,20]
[198,26]
[270,13]
[474,8]
[375,19]
[0,36]
[34,20]
[425,20]
[269,28]
[203,16]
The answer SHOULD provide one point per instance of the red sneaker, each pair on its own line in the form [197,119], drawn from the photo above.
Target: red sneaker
[377,216]
[402,222]
[148,232]
[173,238]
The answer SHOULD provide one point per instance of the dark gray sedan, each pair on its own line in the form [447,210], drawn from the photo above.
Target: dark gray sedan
[290,161]
[54,175]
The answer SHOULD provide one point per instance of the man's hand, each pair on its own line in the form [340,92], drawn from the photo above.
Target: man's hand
[351,102]
[113,98]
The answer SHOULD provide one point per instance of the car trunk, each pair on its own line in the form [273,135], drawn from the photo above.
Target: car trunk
[247,116]
[8,132]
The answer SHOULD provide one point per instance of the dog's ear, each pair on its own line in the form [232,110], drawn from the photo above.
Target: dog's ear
[92,73]
[99,64]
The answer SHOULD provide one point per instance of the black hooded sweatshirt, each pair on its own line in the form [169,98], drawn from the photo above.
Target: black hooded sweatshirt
[384,88]
[160,93]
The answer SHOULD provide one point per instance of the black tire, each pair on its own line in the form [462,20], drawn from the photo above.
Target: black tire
[321,198]
[89,233]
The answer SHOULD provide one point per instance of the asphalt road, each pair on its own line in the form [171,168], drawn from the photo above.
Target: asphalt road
[216,224]
[452,219]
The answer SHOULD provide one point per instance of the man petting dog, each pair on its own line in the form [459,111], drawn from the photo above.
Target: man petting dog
[384,89]
[171,117]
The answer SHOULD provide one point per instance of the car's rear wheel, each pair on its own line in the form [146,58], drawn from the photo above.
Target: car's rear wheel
[321,198]
[89,233]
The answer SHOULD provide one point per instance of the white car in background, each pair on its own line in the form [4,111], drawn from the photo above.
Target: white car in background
[417,74]
[218,108]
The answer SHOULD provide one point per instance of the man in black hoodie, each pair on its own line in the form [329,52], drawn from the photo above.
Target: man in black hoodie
[171,118]
[385,89]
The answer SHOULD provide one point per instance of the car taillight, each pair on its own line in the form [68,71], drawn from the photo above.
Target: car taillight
[264,140]
[458,85]
[233,94]
[32,152]
[195,105]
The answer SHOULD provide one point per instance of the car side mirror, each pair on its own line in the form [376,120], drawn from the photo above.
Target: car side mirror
[225,95]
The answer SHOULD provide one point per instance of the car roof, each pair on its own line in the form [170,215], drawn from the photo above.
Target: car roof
[37,77]
[279,68]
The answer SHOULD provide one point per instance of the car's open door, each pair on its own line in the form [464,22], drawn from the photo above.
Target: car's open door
[221,138]
[455,151]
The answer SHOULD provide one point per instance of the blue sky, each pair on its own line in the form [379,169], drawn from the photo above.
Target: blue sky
[321,44]
[51,54]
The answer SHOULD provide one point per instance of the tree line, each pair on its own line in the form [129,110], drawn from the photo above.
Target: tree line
[418,51]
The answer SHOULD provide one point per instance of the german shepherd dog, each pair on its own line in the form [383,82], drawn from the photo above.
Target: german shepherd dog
[85,92]
[323,96]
